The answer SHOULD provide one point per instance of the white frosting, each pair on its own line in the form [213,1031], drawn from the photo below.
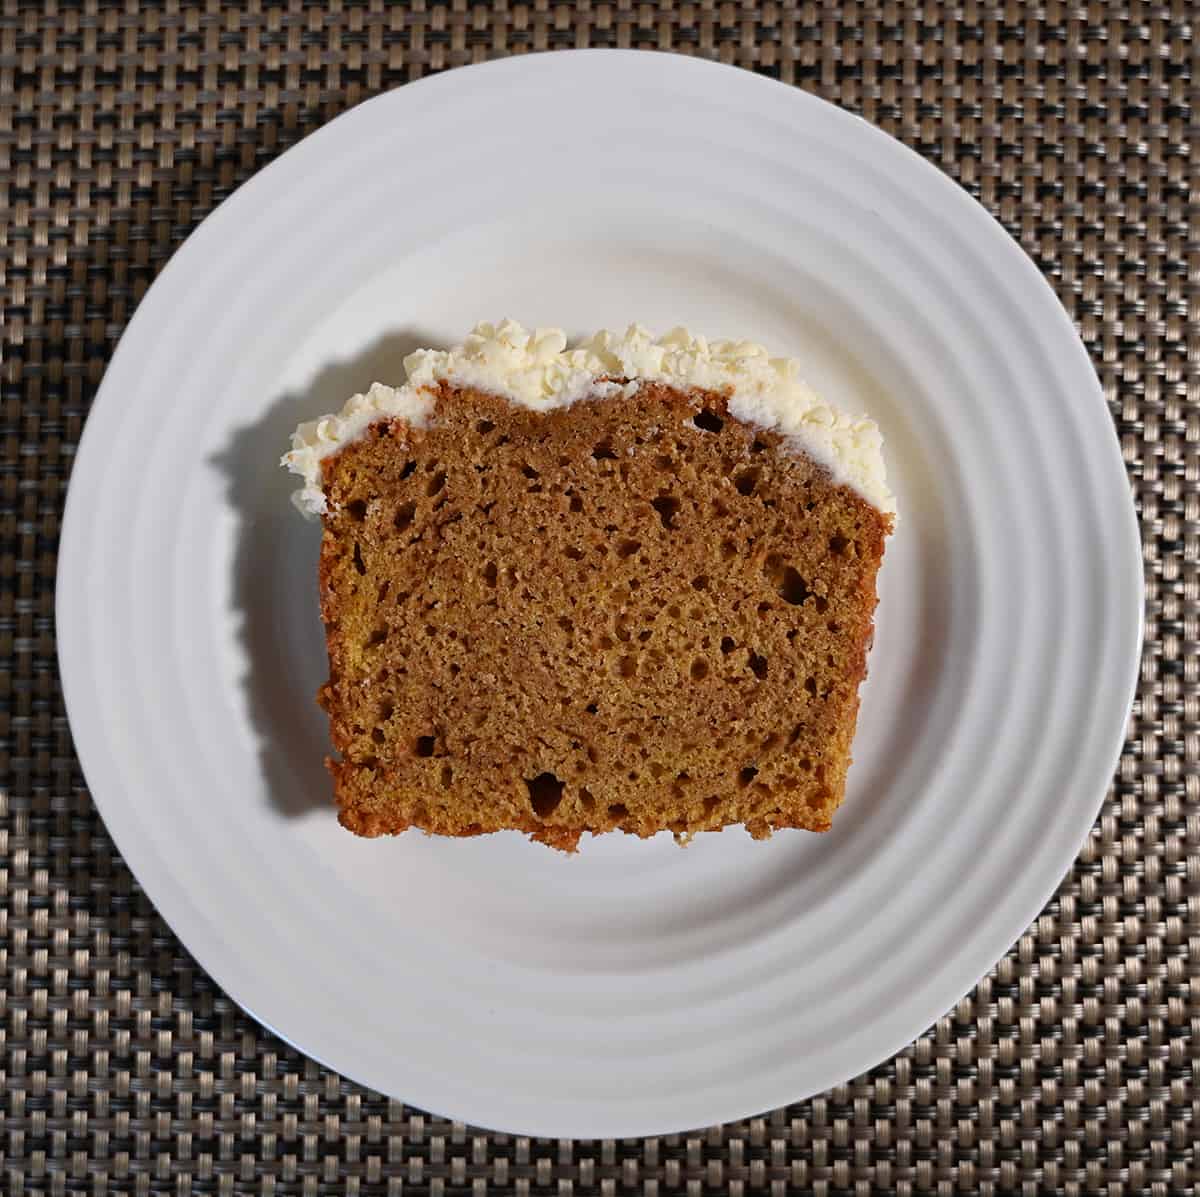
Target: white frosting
[324,436]
[537,370]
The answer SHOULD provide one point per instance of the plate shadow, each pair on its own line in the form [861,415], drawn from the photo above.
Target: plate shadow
[273,589]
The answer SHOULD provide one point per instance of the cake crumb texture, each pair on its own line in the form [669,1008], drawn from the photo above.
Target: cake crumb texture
[635,613]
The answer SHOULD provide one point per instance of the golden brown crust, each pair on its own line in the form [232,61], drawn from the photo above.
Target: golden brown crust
[632,613]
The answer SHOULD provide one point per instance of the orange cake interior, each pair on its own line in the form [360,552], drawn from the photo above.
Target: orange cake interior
[633,611]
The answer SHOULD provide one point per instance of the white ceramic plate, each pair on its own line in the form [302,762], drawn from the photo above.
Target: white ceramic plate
[637,987]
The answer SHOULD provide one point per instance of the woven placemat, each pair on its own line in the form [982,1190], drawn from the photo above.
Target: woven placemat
[1072,1065]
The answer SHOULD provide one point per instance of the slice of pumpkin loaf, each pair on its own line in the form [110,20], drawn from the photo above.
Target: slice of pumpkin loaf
[624,586]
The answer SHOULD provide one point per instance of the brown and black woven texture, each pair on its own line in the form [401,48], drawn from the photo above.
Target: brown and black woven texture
[1072,1066]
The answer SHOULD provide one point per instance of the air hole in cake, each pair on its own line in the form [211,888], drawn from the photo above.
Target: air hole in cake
[627,548]
[700,582]
[572,553]
[627,666]
[436,483]
[377,734]
[644,635]
[529,471]
[383,591]
[356,509]
[664,463]
[409,466]
[728,550]
[404,515]
[425,745]
[447,777]
[699,670]
[359,564]
[758,446]
[793,588]
[377,637]
[576,503]
[618,810]
[604,451]
[484,427]
[758,666]
[834,626]
[711,804]
[490,573]
[797,732]
[746,481]
[709,421]
[821,604]
[667,507]
[566,624]
[810,684]
[747,775]
[585,798]
[727,645]
[545,793]
[838,545]
[591,708]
